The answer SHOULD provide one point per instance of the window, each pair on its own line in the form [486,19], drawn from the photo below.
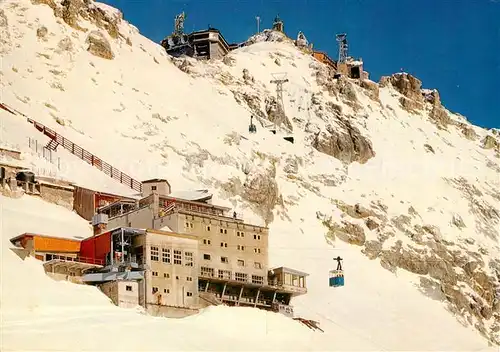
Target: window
[256,237]
[155,289]
[257,279]
[221,230]
[240,277]
[206,256]
[155,273]
[241,248]
[177,277]
[189,278]
[225,274]
[188,258]
[154,253]
[257,265]
[153,188]
[207,271]
[205,241]
[128,288]
[224,260]
[225,231]
[189,294]
[166,290]
[241,262]
[177,257]
[256,250]
[165,255]
[166,275]
[223,244]
[208,228]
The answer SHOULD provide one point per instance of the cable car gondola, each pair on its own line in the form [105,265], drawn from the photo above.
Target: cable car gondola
[337,276]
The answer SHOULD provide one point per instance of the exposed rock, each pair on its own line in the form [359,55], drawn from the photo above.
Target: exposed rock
[41,32]
[65,44]
[372,88]
[345,143]
[276,113]
[128,41]
[99,45]
[440,117]
[469,133]
[277,61]
[261,190]
[457,221]
[351,233]
[372,249]
[401,222]
[5,43]
[429,149]
[292,165]
[357,211]
[229,61]
[490,142]
[371,224]
[409,87]
[412,211]
[247,77]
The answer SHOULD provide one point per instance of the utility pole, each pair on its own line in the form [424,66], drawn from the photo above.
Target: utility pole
[279,99]
[257,18]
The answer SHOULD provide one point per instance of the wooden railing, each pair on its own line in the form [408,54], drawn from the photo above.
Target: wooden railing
[87,156]
[57,139]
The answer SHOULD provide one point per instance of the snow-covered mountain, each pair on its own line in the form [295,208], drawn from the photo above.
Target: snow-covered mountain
[381,174]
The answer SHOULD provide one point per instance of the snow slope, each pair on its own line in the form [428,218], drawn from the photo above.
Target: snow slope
[147,117]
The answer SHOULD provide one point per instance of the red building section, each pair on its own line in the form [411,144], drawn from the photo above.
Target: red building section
[97,247]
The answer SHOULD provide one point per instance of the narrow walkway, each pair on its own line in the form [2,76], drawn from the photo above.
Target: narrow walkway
[56,139]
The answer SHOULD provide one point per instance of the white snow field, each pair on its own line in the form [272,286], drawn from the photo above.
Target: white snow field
[145,116]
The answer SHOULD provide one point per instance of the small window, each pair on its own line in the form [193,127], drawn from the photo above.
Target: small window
[223,244]
[225,231]
[206,256]
[188,258]
[191,225]
[166,275]
[165,255]
[153,188]
[189,278]
[155,290]
[166,290]
[238,234]
[221,230]
[205,241]
[224,260]
[256,250]
[241,262]
[208,228]
[257,265]
[258,237]
[154,253]
[155,273]
[177,257]
[242,234]
[189,294]
[128,288]
[177,277]
[254,237]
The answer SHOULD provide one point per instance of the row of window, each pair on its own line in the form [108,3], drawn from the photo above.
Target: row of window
[224,245]
[227,275]
[167,276]
[190,225]
[167,290]
[225,260]
[166,256]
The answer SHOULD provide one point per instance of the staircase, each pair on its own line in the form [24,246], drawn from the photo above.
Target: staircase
[57,139]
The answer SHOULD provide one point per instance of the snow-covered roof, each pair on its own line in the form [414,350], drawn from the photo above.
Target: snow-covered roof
[194,195]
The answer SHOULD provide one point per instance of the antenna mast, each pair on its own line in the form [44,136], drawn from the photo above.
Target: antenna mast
[257,18]
[343,47]
[279,119]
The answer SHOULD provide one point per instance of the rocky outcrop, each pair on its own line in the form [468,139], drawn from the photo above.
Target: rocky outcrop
[247,77]
[41,32]
[4,33]
[275,112]
[409,87]
[345,143]
[99,45]
[490,142]
[348,232]
[71,11]
[372,89]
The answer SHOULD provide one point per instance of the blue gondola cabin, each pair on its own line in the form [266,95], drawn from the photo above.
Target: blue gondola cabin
[336,278]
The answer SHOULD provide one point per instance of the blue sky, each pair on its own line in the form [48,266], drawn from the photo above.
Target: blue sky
[451,45]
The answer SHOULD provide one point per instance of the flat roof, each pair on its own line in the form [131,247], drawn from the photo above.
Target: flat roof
[28,234]
[206,205]
[156,180]
[289,270]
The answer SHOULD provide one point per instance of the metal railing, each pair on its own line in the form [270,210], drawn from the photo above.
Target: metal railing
[84,260]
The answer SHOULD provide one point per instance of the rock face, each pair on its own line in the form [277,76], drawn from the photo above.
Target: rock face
[99,45]
[349,232]
[72,10]
[372,88]
[490,142]
[41,32]
[345,143]
[409,87]
[4,33]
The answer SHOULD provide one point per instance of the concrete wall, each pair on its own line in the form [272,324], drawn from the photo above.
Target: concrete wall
[172,221]
[213,236]
[162,188]
[14,154]
[123,293]
[176,284]
[56,195]
[141,218]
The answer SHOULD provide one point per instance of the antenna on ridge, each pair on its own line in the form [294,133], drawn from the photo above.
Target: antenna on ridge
[343,47]
[257,18]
